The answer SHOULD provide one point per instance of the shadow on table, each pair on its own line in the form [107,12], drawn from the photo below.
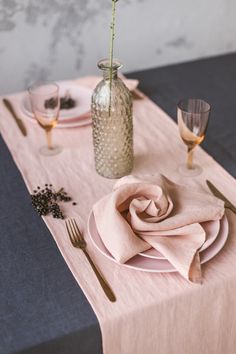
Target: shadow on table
[73,343]
[144,162]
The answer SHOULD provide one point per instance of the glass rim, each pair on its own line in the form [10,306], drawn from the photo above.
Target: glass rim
[38,84]
[194,99]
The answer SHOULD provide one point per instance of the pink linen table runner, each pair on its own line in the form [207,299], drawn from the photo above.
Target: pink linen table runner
[154,313]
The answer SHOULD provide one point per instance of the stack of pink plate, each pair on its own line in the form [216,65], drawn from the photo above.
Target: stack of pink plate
[152,261]
[77,116]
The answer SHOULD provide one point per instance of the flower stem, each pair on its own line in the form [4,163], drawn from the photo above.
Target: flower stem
[112,37]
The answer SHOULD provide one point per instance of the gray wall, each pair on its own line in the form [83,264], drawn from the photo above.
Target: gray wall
[61,39]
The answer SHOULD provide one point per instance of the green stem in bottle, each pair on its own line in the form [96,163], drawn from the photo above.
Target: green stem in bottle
[112,37]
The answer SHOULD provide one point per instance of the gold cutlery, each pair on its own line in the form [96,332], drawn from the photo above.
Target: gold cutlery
[221,196]
[78,241]
[18,121]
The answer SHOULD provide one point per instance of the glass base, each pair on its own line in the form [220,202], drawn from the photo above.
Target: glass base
[55,150]
[189,172]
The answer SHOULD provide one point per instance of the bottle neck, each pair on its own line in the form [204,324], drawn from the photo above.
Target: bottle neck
[105,65]
[106,74]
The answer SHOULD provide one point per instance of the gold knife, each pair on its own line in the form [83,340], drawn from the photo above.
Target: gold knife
[219,195]
[18,121]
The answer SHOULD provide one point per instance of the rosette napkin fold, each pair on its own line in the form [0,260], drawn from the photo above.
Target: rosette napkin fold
[155,212]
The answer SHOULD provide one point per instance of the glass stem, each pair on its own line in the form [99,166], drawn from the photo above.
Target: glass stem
[49,138]
[190,159]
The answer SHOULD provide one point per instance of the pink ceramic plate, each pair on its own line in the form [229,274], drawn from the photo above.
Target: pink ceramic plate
[211,228]
[159,265]
[68,118]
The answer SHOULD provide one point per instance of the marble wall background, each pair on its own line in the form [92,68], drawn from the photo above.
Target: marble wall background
[61,39]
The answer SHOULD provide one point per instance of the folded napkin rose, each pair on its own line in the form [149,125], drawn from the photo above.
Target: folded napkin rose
[155,212]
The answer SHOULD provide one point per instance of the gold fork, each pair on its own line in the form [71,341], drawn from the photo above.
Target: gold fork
[78,241]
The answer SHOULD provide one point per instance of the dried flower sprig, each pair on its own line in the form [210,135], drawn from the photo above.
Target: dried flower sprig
[112,37]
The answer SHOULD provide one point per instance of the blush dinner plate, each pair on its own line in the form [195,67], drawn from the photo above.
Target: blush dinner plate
[155,265]
[68,118]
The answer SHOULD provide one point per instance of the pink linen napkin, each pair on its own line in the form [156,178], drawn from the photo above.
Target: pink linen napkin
[156,212]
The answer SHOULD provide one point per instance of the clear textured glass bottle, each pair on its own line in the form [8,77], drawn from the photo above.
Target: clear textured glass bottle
[112,124]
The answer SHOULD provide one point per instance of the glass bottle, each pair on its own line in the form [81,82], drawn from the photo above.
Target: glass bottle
[112,124]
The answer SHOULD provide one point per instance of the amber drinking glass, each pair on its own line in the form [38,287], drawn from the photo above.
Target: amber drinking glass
[45,103]
[193,116]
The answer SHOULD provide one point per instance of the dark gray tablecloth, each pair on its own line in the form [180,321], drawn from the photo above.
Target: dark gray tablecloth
[42,308]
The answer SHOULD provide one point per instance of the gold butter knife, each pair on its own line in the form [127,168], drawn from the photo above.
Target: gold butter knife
[221,196]
[18,121]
